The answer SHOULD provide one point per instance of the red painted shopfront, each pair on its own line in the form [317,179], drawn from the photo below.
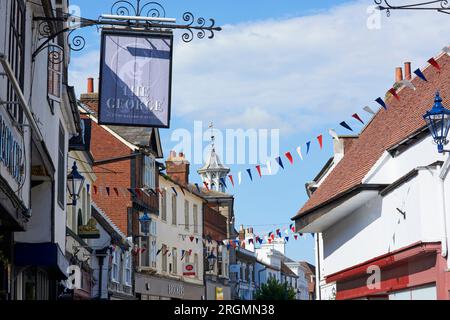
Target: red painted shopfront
[416,266]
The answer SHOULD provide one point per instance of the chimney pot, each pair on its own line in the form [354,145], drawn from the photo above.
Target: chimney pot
[408,70]
[398,74]
[181,155]
[90,85]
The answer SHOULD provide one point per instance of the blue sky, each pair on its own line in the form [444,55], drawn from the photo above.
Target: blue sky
[298,66]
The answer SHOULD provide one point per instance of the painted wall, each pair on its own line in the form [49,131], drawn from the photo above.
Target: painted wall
[378,227]
[172,236]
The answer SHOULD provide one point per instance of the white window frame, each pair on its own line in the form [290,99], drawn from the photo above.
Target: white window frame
[149,172]
[127,269]
[115,265]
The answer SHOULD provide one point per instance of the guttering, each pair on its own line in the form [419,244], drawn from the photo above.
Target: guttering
[10,74]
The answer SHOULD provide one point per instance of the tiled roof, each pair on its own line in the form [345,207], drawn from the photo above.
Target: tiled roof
[386,129]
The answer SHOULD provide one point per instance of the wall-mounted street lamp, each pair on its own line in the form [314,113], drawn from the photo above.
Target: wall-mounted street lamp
[438,122]
[75,183]
[145,221]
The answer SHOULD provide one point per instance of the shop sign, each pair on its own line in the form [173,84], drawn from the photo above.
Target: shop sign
[11,152]
[188,269]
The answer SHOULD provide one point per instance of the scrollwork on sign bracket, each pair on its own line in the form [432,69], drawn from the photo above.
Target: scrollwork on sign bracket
[442,6]
[191,27]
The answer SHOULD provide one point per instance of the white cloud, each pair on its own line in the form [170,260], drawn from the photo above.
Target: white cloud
[293,73]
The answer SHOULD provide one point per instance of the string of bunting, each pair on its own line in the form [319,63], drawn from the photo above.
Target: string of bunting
[288,155]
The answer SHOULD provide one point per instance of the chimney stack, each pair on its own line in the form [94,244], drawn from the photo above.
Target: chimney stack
[177,168]
[398,74]
[408,70]
[90,85]
[90,98]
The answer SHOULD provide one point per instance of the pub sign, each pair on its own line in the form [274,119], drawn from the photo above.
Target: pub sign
[135,78]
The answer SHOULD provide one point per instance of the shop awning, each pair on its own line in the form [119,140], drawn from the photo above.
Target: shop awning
[45,255]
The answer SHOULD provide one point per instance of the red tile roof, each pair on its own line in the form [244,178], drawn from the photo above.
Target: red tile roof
[386,129]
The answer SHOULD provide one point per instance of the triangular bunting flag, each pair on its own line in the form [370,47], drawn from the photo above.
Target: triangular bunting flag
[108,191]
[345,125]
[320,140]
[381,102]
[198,188]
[286,238]
[420,75]
[175,191]
[279,162]
[394,93]
[88,187]
[249,171]
[289,157]
[95,189]
[239,177]
[356,116]
[369,110]
[116,191]
[299,151]
[231,179]
[308,145]
[269,168]
[295,236]
[258,168]
[182,190]
[408,84]
[222,180]
[434,63]
[206,185]
[333,134]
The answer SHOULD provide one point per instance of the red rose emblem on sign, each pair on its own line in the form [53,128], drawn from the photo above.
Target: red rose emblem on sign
[189,267]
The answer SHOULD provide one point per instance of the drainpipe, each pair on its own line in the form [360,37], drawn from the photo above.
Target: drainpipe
[443,173]
[317,284]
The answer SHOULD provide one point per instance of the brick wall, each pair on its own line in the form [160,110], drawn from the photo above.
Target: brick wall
[104,146]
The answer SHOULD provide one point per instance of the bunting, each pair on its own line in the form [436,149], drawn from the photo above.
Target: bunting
[280,162]
[249,171]
[222,180]
[175,191]
[320,140]
[258,168]
[231,179]
[434,63]
[289,157]
[269,168]
[394,93]
[369,110]
[420,75]
[345,125]
[308,145]
[381,102]
[299,151]
[333,134]
[408,84]
[356,116]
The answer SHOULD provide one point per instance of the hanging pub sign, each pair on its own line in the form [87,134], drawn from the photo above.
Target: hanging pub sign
[82,142]
[135,79]
[188,269]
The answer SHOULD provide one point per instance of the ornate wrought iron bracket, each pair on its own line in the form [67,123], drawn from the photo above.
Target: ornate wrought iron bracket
[131,14]
[442,6]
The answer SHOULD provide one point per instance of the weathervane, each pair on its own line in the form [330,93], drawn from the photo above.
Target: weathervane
[144,15]
[213,138]
[442,6]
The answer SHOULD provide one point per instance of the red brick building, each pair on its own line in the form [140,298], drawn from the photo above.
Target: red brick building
[125,166]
